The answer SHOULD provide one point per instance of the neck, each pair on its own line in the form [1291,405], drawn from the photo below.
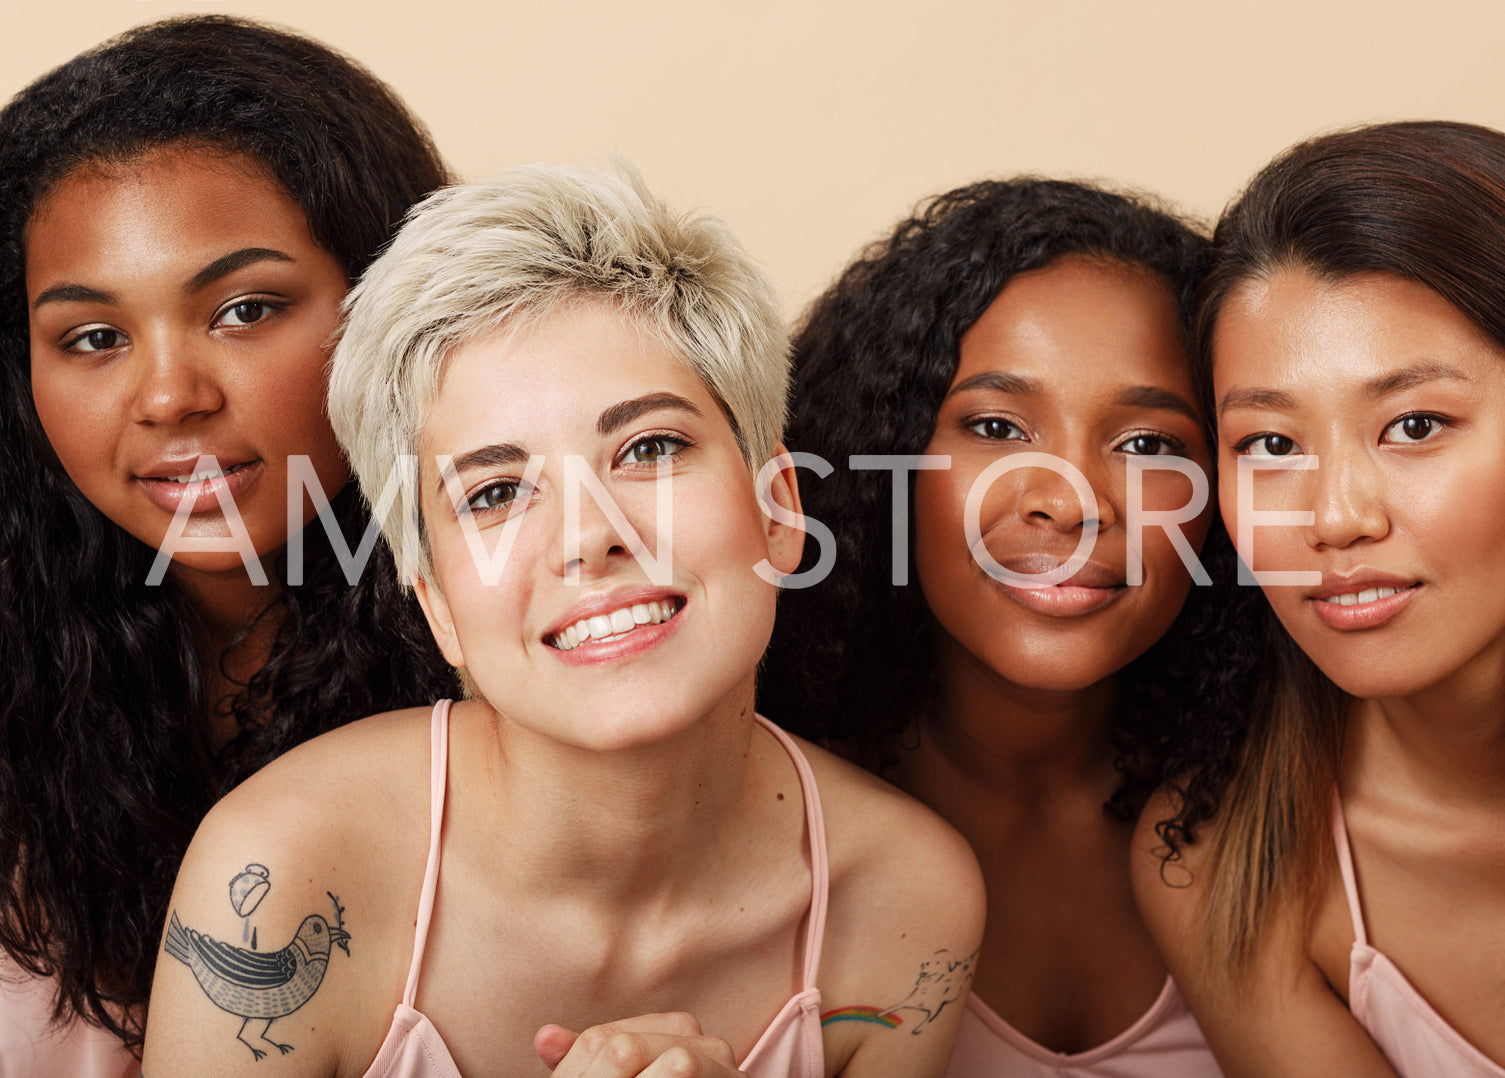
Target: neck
[626,827]
[1016,749]
[1446,744]
[227,604]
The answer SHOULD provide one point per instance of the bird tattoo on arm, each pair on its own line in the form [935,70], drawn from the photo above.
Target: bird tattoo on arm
[260,985]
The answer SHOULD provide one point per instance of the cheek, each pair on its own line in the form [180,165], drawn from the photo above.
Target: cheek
[945,572]
[78,420]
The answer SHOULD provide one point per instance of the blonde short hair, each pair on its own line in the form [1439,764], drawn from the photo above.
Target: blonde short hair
[504,254]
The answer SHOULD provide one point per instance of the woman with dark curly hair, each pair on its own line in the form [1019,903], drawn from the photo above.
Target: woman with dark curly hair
[182,210]
[1343,912]
[1014,364]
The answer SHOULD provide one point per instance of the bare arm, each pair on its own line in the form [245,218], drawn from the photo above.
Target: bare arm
[905,927]
[1279,1018]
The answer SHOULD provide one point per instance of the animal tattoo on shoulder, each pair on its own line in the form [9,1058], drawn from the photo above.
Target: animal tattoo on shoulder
[943,979]
[260,985]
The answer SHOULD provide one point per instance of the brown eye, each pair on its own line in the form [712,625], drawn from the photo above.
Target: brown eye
[243,314]
[652,450]
[97,340]
[996,429]
[1148,445]
[1268,445]
[1412,428]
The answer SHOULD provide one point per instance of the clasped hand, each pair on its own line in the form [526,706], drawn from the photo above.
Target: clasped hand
[648,1046]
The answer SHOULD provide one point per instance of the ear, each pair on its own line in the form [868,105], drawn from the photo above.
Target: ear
[785,524]
[441,624]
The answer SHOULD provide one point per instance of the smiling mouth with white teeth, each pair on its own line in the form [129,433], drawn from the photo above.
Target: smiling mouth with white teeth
[201,477]
[1359,598]
[615,625]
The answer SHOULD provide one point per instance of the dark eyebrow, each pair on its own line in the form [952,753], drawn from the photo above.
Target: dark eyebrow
[1002,381]
[1158,399]
[73,293]
[1271,399]
[228,264]
[619,415]
[502,455]
[1410,378]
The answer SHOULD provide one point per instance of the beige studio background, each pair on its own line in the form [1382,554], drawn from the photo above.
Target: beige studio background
[811,127]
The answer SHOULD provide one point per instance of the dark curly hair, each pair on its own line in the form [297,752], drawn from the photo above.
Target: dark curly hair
[106,766]
[850,663]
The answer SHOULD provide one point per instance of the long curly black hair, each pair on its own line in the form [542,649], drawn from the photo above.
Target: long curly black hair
[850,663]
[106,766]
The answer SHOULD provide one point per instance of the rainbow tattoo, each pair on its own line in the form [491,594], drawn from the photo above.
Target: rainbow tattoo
[862,1014]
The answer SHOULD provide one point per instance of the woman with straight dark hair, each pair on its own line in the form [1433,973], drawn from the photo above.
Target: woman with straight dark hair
[1009,318]
[1339,906]
[182,210]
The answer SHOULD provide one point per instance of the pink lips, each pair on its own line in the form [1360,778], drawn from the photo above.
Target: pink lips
[1088,590]
[1362,615]
[202,496]
[639,639]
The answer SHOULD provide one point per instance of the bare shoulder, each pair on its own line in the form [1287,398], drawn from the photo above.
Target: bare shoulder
[1169,883]
[905,923]
[290,925]
[1271,1013]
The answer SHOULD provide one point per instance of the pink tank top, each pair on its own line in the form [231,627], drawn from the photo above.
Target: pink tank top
[1164,1043]
[32,1047]
[790,1047]
[1414,1037]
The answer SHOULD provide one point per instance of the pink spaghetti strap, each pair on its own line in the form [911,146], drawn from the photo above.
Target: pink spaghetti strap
[820,870]
[438,781]
[1345,865]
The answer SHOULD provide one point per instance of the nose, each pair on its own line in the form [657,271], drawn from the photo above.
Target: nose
[1347,506]
[174,382]
[594,535]
[1049,499]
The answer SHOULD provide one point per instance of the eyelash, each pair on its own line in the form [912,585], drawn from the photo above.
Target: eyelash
[677,443]
[514,485]
[1439,422]
[270,306]
[975,422]
[515,490]
[1176,445]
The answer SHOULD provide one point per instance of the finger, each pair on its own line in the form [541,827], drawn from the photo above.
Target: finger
[682,1061]
[629,1054]
[589,1044]
[552,1043]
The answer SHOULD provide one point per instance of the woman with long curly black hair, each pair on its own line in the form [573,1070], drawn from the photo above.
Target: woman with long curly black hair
[984,638]
[181,212]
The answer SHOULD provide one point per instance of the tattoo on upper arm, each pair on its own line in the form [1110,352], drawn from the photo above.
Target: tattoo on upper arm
[943,979]
[259,985]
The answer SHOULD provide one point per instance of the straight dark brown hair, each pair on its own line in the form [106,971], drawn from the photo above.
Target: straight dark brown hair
[1424,201]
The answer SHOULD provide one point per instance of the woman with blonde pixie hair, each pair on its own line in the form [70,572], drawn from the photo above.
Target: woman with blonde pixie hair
[565,403]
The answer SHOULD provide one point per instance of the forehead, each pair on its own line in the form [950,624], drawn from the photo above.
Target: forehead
[1295,329]
[551,380]
[1081,322]
[168,207]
